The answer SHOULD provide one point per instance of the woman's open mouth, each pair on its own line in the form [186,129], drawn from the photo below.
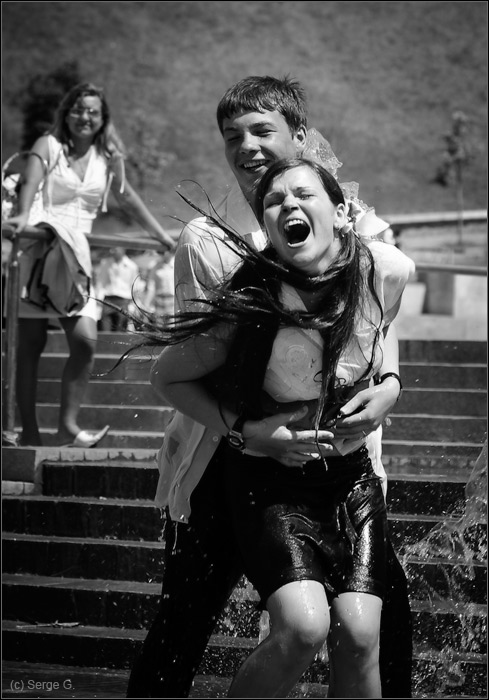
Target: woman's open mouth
[296,231]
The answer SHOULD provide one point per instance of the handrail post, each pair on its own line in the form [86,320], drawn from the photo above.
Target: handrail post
[13,301]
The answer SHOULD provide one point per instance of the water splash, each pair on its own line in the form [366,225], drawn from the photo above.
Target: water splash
[451,553]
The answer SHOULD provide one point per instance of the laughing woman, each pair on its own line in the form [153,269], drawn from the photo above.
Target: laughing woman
[295,333]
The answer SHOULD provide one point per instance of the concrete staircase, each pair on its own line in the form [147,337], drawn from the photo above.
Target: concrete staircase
[82,546]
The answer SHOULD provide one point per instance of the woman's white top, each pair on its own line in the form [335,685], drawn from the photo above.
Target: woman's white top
[294,369]
[68,198]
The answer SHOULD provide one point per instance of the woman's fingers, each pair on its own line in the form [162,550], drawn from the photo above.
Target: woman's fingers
[311,437]
[297,458]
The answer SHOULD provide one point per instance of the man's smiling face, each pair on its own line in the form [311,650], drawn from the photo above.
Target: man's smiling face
[253,141]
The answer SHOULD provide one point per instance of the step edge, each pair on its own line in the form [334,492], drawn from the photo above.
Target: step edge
[439,607]
[215,640]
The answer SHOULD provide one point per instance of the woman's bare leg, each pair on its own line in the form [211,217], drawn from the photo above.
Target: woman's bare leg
[81,334]
[299,624]
[354,646]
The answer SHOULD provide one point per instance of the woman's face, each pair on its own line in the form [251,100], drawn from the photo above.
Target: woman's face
[299,217]
[85,119]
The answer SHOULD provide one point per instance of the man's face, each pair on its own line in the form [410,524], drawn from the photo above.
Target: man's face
[253,141]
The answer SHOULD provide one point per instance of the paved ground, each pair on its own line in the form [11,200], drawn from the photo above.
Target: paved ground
[24,680]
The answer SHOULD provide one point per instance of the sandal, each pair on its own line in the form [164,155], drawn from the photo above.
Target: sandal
[88,438]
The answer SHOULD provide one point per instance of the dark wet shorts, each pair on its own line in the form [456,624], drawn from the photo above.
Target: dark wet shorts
[309,523]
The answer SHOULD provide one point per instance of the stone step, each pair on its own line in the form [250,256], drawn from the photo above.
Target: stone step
[457,375]
[441,401]
[116,392]
[110,479]
[130,519]
[443,351]
[142,561]
[83,683]
[105,603]
[407,427]
[96,682]
[430,460]
[407,492]
[86,683]
[454,453]
[118,647]
[436,428]
[424,351]
[116,439]
[104,368]
[121,418]
[127,441]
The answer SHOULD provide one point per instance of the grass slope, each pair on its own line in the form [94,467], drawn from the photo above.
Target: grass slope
[383,79]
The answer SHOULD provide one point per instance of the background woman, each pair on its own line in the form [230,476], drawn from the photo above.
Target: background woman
[82,156]
[298,331]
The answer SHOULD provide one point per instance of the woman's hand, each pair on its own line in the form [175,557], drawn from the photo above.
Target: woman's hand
[274,438]
[367,410]
[16,224]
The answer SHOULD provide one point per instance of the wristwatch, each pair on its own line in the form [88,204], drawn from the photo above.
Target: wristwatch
[235,437]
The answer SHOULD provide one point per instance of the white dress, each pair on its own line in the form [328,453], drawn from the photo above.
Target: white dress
[73,202]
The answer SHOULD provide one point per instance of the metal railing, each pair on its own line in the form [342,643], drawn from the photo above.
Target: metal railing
[476,270]
[398,222]
[13,299]
[31,232]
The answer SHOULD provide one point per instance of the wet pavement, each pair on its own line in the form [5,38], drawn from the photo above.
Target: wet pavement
[24,680]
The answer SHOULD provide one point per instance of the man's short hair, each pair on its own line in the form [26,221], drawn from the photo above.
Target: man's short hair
[259,93]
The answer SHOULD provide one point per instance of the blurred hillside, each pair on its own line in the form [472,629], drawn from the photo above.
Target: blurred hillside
[383,79]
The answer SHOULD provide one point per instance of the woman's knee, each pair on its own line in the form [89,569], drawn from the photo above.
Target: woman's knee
[83,349]
[81,335]
[307,635]
[355,626]
[299,616]
[355,640]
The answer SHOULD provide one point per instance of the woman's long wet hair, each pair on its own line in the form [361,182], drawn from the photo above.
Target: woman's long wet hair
[252,296]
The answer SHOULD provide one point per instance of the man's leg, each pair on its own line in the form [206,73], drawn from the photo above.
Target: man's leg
[201,570]
[396,642]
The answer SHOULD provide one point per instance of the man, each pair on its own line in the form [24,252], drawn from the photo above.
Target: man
[261,119]
[115,278]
